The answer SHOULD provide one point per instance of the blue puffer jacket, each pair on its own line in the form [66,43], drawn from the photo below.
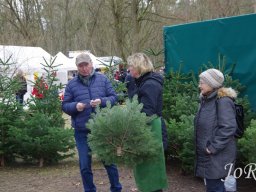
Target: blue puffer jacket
[99,88]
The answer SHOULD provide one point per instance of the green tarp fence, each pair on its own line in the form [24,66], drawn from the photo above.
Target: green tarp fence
[190,46]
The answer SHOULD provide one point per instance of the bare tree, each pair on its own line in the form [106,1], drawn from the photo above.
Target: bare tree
[63,23]
[254,5]
[106,27]
[24,17]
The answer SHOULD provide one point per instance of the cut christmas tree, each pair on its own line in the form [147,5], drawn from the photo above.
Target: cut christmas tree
[122,134]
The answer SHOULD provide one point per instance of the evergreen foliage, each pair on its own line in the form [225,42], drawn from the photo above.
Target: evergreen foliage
[247,144]
[119,87]
[181,137]
[122,134]
[40,135]
[38,139]
[48,102]
[181,97]
[10,110]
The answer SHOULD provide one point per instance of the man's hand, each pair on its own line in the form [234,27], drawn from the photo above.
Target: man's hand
[95,102]
[80,106]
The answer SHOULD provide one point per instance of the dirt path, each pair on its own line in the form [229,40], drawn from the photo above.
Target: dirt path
[65,177]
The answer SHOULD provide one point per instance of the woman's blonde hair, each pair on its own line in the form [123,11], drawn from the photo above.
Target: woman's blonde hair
[140,62]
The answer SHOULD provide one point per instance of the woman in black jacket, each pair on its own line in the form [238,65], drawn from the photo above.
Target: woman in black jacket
[215,126]
[151,174]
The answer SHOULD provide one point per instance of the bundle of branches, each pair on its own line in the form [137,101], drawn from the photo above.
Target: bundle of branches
[122,134]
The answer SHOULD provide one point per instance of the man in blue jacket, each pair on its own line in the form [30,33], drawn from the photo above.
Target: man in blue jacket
[82,94]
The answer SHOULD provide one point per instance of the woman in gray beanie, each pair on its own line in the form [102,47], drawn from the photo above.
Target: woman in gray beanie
[215,126]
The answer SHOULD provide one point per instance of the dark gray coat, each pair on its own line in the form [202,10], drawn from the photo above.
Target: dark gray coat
[215,126]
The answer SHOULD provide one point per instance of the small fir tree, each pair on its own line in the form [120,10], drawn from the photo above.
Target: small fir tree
[45,94]
[181,137]
[122,134]
[10,110]
[247,145]
[180,91]
[36,139]
[41,135]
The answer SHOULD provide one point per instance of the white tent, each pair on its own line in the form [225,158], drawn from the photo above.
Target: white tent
[111,60]
[96,61]
[67,67]
[60,58]
[64,63]
[68,63]
[28,59]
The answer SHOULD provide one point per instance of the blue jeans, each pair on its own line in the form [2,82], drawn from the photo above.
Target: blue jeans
[20,98]
[215,185]
[85,160]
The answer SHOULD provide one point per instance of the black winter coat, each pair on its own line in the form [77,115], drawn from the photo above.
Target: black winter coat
[149,88]
[149,91]
[215,126]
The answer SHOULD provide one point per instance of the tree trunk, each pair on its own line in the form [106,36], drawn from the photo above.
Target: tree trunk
[41,162]
[2,163]
[116,7]
[254,6]
[135,26]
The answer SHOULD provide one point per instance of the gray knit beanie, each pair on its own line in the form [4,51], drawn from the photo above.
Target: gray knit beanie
[212,77]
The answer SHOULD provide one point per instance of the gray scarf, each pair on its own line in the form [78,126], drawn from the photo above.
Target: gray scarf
[86,79]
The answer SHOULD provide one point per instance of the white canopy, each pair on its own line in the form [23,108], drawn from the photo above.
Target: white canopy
[28,59]
[60,58]
[63,62]
[67,63]
[96,61]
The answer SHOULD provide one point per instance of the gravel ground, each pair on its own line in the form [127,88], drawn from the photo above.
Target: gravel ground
[65,177]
